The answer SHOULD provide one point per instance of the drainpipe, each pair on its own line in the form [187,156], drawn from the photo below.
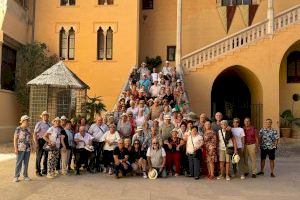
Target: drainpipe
[33,21]
[178,36]
[270,16]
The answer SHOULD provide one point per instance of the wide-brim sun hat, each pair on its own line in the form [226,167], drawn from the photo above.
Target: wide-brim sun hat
[235,158]
[23,118]
[63,118]
[89,147]
[139,128]
[56,119]
[152,174]
[44,113]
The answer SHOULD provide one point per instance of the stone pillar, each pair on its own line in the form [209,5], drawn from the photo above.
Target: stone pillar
[178,36]
[270,16]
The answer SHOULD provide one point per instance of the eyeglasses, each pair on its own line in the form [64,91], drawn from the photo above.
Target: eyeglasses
[154,143]
[136,143]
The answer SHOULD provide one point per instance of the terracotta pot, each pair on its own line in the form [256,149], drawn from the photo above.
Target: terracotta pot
[286,132]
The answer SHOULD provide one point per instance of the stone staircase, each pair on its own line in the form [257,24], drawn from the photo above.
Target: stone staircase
[234,43]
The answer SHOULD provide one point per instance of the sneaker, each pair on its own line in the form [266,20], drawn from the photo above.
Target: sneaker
[50,176]
[253,175]
[243,177]
[16,179]
[227,178]
[197,178]
[145,175]
[220,177]
[176,174]
[260,173]
[27,178]
[246,174]
[110,172]
[272,175]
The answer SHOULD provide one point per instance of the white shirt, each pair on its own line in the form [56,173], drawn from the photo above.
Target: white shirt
[193,142]
[140,120]
[154,77]
[112,138]
[154,90]
[167,70]
[97,131]
[238,133]
[86,138]
[134,111]
[54,136]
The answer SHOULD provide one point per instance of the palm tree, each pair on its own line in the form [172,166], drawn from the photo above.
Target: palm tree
[93,106]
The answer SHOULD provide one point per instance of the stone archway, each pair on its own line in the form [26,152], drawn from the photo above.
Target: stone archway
[289,82]
[237,92]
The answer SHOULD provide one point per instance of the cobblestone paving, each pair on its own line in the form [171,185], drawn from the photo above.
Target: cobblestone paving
[102,186]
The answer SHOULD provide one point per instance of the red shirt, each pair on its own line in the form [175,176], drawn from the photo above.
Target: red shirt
[250,135]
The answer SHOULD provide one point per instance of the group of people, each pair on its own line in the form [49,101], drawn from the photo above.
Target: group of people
[150,130]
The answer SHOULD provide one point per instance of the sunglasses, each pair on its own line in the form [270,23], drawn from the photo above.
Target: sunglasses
[136,143]
[154,143]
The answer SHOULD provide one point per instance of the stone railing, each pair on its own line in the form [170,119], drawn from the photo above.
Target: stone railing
[240,39]
[125,87]
[286,18]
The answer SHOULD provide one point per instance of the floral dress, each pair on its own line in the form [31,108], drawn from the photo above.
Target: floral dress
[210,142]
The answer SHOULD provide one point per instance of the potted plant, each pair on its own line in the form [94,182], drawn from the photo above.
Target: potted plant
[286,122]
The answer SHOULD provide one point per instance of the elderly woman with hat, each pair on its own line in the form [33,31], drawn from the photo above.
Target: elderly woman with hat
[139,135]
[172,147]
[22,137]
[39,131]
[52,137]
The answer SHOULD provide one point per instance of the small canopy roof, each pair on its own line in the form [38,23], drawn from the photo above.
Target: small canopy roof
[59,75]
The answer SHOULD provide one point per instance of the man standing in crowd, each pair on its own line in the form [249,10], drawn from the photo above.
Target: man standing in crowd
[39,131]
[269,138]
[166,128]
[97,130]
[251,146]
[82,139]
[216,126]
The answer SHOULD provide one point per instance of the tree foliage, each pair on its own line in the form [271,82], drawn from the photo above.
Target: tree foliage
[93,106]
[32,60]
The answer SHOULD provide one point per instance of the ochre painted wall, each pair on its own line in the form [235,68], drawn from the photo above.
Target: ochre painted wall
[263,60]
[106,78]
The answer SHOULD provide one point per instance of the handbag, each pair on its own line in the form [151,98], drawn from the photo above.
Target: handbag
[198,152]
[229,150]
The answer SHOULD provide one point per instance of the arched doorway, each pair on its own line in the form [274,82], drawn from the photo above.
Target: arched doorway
[236,92]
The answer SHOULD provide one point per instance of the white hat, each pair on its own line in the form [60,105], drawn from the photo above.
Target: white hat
[139,128]
[174,110]
[235,158]
[167,117]
[174,130]
[143,64]
[24,117]
[152,174]
[178,80]
[167,61]
[44,113]
[124,114]
[56,119]
[89,147]
[63,118]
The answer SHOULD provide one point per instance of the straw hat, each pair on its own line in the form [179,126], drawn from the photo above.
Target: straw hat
[44,113]
[167,117]
[235,158]
[139,128]
[89,147]
[24,117]
[56,119]
[152,174]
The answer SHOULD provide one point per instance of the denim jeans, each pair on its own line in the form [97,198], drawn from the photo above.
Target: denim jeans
[22,158]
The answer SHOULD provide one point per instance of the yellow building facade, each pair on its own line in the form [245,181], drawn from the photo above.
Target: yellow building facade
[234,54]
